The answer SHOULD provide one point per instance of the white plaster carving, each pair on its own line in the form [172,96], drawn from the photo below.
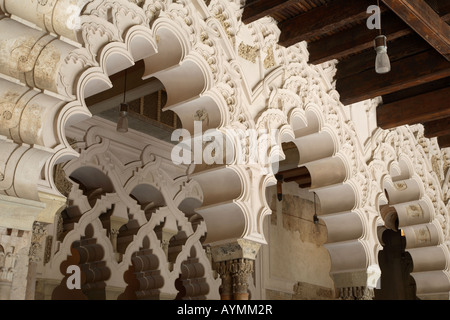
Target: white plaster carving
[180,38]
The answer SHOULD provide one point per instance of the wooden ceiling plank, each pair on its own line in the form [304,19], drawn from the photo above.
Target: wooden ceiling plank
[301,179]
[422,108]
[261,8]
[442,7]
[295,172]
[355,40]
[425,21]
[405,73]
[444,141]
[437,128]
[417,90]
[321,20]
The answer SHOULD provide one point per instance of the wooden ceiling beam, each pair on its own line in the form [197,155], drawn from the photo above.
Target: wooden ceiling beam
[442,7]
[359,38]
[299,175]
[261,8]
[301,180]
[437,128]
[422,108]
[356,39]
[444,141]
[425,21]
[405,73]
[321,20]
[417,90]
[295,172]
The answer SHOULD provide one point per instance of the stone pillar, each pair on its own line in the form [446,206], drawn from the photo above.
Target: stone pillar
[234,262]
[35,256]
[226,288]
[17,218]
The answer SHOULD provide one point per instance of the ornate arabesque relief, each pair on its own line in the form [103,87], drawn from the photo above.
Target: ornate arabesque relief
[290,95]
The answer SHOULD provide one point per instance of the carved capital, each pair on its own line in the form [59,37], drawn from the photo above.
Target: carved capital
[235,274]
[240,249]
[223,268]
[356,293]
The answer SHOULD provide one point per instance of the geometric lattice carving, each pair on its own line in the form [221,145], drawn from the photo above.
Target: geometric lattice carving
[143,277]
[191,284]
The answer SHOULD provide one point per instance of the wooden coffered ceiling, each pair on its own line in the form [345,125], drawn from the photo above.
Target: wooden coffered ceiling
[416,90]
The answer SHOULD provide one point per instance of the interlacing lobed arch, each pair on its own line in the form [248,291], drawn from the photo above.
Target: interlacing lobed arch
[129,225]
[411,202]
[238,79]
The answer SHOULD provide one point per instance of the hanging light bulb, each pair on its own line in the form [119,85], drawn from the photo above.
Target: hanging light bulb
[122,124]
[382,63]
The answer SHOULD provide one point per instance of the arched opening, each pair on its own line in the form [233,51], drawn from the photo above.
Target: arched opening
[146,99]
[148,197]
[295,233]
[93,182]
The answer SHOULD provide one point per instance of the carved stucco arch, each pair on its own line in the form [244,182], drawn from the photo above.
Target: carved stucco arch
[183,52]
[405,181]
[147,171]
[114,34]
[324,140]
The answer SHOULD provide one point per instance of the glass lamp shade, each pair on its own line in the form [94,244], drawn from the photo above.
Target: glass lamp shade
[382,63]
[122,123]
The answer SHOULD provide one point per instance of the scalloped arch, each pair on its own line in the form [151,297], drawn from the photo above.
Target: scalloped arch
[410,195]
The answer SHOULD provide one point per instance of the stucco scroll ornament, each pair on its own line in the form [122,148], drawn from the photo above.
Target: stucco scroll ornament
[139,3]
[221,14]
